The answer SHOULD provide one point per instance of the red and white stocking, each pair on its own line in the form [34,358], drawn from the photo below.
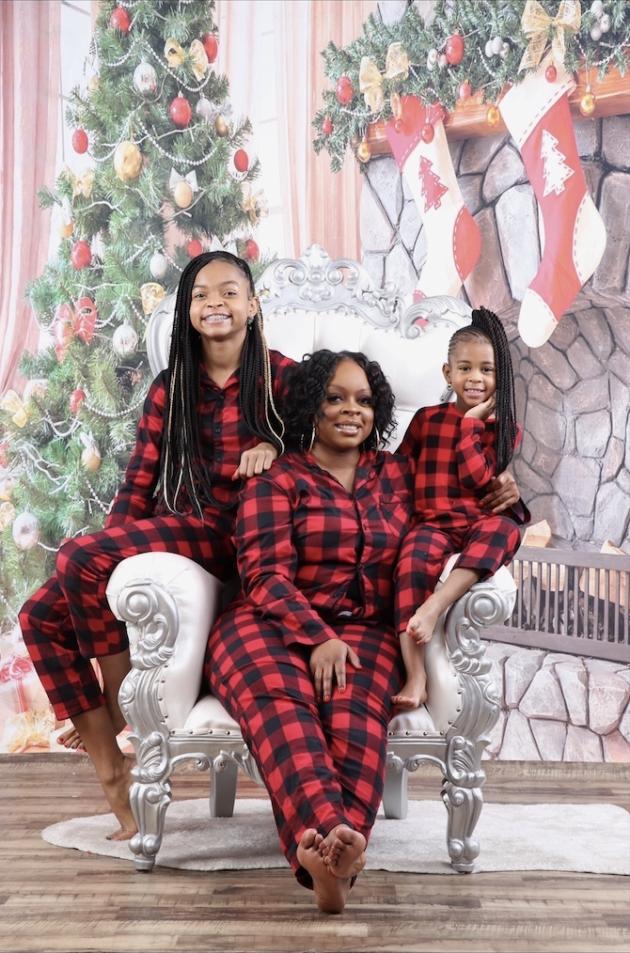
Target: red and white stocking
[537,114]
[453,238]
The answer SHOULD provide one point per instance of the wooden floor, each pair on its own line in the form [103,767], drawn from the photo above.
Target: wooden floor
[62,900]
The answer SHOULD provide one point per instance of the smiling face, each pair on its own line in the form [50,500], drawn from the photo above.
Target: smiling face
[221,303]
[471,373]
[348,411]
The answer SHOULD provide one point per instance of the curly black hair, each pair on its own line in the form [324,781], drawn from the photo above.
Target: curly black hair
[307,391]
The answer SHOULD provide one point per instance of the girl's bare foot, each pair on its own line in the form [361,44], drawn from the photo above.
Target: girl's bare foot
[71,739]
[411,695]
[331,892]
[423,622]
[343,851]
[116,791]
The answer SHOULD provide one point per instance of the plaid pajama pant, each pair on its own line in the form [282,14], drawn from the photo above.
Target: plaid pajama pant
[68,621]
[323,763]
[485,544]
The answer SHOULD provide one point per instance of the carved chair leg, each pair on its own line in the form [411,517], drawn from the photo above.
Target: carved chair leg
[395,793]
[148,803]
[464,807]
[223,789]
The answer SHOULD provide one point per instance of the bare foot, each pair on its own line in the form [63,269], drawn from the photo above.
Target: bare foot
[423,622]
[71,739]
[411,695]
[117,793]
[343,851]
[331,892]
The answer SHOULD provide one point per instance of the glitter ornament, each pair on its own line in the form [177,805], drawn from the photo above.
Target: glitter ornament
[364,153]
[127,161]
[120,20]
[211,46]
[80,141]
[551,73]
[493,116]
[587,104]
[81,255]
[344,90]
[455,49]
[124,341]
[205,110]
[145,78]
[252,250]
[327,126]
[183,194]
[465,91]
[220,126]
[158,266]
[25,531]
[91,456]
[194,247]
[180,111]
[241,161]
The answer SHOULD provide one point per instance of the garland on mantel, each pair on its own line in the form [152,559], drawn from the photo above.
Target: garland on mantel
[469,47]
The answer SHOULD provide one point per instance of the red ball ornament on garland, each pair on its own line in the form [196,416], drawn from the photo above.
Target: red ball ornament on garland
[427,132]
[455,49]
[80,141]
[211,46]
[194,247]
[81,255]
[344,90]
[120,20]
[252,251]
[327,126]
[75,400]
[465,91]
[241,161]
[180,111]
[550,73]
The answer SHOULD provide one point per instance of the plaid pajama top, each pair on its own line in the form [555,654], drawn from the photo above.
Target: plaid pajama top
[223,435]
[454,459]
[310,553]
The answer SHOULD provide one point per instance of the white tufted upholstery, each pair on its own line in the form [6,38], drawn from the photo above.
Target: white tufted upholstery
[169,602]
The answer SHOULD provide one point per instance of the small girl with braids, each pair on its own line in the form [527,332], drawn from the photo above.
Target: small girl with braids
[458,448]
[209,422]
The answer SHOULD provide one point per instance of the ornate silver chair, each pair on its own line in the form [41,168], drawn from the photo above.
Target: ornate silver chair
[169,603]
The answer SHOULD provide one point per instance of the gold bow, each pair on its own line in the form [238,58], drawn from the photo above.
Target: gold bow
[397,63]
[254,203]
[81,184]
[371,84]
[538,26]
[13,404]
[175,56]
[151,294]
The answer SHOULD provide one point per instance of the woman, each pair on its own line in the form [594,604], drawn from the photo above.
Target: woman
[306,659]
[209,420]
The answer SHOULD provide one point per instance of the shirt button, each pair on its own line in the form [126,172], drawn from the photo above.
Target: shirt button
[221,397]
[217,428]
[218,457]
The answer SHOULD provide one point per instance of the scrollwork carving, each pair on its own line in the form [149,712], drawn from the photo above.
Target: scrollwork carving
[151,609]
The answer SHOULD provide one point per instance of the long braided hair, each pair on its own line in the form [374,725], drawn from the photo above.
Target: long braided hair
[485,325]
[181,459]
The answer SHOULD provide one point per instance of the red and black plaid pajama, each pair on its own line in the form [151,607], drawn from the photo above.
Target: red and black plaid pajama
[68,621]
[454,460]
[316,563]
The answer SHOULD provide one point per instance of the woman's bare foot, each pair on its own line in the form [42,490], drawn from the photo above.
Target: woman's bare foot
[411,695]
[331,892]
[343,851]
[117,793]
[423,622]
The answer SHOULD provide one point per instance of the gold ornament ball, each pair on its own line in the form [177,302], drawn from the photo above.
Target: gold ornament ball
[220,126]
[363,151]
[127,161]
[493,116]
[183,194]
[587,104]
[91,459]
[6,488]
[66,229]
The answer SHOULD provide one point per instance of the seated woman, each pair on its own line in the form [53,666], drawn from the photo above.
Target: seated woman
[306,659]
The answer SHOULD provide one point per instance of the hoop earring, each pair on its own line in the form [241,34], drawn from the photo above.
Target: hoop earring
[310,446]
[377,438]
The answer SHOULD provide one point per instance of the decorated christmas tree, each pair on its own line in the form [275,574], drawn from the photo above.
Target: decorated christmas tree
[166,176]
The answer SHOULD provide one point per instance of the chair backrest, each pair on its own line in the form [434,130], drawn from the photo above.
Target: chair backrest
[314,302]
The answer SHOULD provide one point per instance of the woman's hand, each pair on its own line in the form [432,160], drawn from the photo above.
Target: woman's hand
[329,657]
[254,461]
[502,493]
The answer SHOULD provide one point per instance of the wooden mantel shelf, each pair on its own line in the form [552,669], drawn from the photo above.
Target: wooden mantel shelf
[468,119]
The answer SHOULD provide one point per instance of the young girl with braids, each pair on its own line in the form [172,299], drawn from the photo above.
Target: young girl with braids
[458,449]
[209,421]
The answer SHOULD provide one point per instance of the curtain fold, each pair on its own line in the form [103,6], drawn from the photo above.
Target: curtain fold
[29,66]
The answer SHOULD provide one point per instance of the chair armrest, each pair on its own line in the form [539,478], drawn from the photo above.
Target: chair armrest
[169,604]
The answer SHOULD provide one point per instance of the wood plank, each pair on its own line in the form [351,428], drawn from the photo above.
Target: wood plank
[468,119]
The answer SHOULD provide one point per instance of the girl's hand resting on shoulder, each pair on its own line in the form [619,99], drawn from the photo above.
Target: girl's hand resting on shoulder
[254,461]
[328,658]
[483,410]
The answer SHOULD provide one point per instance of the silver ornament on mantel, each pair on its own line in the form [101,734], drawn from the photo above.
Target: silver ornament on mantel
[145,78]
[25,531]
[158,266]
[124,341]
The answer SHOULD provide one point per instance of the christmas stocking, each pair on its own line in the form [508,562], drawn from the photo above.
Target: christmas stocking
[418,143]
[537,115]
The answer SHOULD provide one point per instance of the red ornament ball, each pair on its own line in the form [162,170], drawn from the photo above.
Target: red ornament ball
[327,126]
[4,447]
[550,73]
[427,132]
[465,91]
[81,255]
[344,90]
[241,161]
[252,251]
[80,141]
[194,247]
[403,127]
[120,20]
[75,400]
[211,46]
[180,111]
[455,49]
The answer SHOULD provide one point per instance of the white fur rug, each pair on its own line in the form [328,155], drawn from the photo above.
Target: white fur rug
[594,838]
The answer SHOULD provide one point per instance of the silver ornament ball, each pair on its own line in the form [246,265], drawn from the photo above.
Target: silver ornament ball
[158,266]
[145,78]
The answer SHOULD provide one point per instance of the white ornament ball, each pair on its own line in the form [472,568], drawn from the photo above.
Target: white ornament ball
[597,8]
[488,50]
[497,45]
[124,341]
[25,531]
[505,50]
[432,57]
[443,61]
[205,110]
[596,32]
[158,266]
[604,23]
[36,387]
[145,78]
